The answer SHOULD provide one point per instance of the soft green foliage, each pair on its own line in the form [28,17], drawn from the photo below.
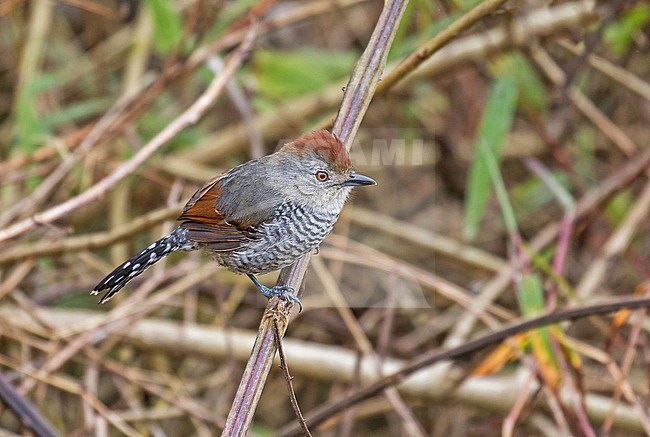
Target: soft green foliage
[621,33]
[165,109]
[561,193]
[418,14]
[496,121]
[466,5]
[167,25]
[231,12]
[27,126]
[618,208]
[531,88]
[76,111]
[33,128]
[29,129]
[585,139]
[500,190]
[532,194]
[531,301]
[531,297]
[79,70]
[283,74]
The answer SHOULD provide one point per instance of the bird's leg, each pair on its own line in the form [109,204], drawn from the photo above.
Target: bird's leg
[284,292]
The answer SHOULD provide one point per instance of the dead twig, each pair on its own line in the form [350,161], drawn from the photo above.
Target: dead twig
[436,43]
[24,410]
[90,241]
[289,379]
[337,364]
[326,411]
[189,116]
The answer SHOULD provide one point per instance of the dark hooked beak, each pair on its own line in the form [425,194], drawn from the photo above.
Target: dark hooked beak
[356,180]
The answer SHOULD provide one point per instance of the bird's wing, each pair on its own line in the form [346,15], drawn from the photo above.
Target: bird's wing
[205,224]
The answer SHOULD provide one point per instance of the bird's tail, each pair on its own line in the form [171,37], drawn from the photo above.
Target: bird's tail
[134,266]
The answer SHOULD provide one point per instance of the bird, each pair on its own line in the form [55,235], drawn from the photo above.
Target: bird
[260,216]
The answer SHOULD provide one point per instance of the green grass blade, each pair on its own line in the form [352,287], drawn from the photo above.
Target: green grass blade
[502,194]
[167,25]
[495,124]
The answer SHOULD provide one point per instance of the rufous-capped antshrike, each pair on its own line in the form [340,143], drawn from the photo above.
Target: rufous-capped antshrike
[260,216]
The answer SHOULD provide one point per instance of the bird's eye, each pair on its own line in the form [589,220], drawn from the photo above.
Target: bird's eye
[322,176]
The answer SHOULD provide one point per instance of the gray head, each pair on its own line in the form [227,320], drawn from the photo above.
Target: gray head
[316,171]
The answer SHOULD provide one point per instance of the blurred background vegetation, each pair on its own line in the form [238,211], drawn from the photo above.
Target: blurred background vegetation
[512,180]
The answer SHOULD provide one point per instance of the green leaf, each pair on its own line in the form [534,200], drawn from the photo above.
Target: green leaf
[531,300]
[167,26]
[531,88]
[76,111]
[419,26]
[283,74]
[497,118]
[585,157]
[29,129]
[466,5]
[531,297]
[501,192]
[619,207]
[531,194]
[621,34]
[228,15]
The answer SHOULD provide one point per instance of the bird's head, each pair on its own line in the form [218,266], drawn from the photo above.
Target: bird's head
[318,171]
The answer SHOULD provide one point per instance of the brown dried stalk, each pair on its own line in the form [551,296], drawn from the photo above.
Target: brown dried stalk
[288,379]
[436,43]
[29,415]
[319,415]
[356,99]
[190,116]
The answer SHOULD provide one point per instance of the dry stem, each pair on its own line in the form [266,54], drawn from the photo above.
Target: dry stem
[356,100]
[190,116]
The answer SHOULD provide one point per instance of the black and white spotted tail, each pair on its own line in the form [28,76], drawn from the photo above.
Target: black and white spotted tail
[137,264]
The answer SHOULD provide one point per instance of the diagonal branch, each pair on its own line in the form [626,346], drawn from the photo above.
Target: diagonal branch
[356,99]
[29,415]
[190,116]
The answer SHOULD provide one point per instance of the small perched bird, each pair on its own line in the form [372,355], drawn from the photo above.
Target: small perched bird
[260,216]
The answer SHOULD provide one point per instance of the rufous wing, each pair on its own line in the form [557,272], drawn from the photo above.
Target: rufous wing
[208,226]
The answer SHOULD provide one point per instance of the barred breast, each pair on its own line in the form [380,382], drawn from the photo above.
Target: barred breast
[290,233]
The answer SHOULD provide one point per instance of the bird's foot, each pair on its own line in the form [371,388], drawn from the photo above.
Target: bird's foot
[284,292]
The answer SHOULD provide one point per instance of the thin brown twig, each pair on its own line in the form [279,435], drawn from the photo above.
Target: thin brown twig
[626,365]
[183,403]
[493,288]
[72,386]
[616,244]
[425,238]
[335,364]
[465,50]
[622,76]
[199,56]
[188,117]
[554,73]
[53,180]
[15,277]
[289,379]
[617,375]
[89,241]
[324,412]
[411,425]
[118,319]
[24,410]
[425,51]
